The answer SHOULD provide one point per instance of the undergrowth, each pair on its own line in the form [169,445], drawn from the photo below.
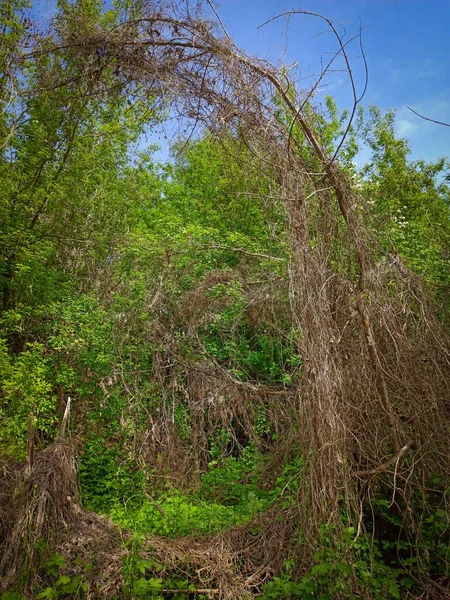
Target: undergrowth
[227,495]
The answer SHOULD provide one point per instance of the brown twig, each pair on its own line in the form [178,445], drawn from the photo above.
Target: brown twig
[385,466]
[427,118]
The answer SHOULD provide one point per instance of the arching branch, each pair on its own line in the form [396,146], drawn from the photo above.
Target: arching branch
[427,118]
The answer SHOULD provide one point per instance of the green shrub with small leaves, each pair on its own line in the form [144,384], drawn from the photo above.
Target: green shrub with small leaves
[26,398]
[345,563]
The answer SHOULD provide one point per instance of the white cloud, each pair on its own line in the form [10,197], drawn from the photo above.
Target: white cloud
[387,63]
[405,127]
[395,76]
[428,73]
[429,69]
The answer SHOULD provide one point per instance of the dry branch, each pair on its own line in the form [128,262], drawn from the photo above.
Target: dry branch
[428,118]
[385,466]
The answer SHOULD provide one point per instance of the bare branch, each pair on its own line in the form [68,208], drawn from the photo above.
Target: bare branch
[385,466]
[427,118]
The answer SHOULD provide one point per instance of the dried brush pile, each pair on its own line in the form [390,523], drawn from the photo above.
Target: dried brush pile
[42,517]
[214,398]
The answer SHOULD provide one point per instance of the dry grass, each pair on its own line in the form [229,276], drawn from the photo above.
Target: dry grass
[44,513]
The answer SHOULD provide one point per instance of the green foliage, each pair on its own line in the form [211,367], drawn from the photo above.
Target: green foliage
[228,495]
[54,564]
[12,596]
[287,484]
[391,567]
[427,554]
[209,179]
[108,477]
[137,573]
[250,352]
[335,576]
[62,586]
[234,481]
[26,397]
[176,515]
[409,201]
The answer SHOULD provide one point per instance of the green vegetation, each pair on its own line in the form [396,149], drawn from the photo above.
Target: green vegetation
[168,302]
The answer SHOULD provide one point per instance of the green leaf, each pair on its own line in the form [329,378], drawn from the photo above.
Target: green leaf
[322,569]
[63,580]
[47,593]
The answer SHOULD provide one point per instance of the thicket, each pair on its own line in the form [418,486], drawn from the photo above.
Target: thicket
[225,376]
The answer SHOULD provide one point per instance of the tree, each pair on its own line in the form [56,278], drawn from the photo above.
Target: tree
[411,204]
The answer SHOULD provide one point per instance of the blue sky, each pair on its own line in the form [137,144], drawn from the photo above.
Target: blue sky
[406,43]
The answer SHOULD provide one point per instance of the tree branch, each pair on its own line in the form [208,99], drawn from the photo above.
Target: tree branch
[427,118]
[384,466]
